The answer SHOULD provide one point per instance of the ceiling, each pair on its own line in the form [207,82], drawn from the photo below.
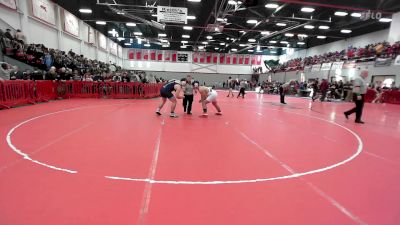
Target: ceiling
[236,31]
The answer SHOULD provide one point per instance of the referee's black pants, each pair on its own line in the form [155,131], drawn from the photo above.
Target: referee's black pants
[359,107]
[187,103]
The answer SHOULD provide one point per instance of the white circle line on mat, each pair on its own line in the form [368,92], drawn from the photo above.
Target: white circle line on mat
[216,182]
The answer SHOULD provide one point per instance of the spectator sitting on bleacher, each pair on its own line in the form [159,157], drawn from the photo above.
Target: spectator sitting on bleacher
[20,37]
[51,74]
[5,71]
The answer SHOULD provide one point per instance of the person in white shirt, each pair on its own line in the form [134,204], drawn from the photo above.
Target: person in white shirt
[359,90]
[208,95]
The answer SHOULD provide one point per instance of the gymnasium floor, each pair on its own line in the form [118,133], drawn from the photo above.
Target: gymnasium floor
[113,162]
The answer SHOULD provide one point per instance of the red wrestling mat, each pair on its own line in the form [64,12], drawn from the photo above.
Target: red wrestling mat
[108,162]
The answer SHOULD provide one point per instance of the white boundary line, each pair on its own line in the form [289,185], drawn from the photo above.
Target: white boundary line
[295,175]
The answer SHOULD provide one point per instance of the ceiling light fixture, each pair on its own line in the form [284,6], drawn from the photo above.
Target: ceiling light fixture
[120,13]
[271,6]
[385,20]
[252,21]
[265,32]
[234,50]
[307,9]
[85,10]
[284,42]
[209,37]
[162,35]
[250,50]
[120,39]
[204,43]
[194,0]
[183,46]
[310,27]
[281,24]
[321,37]
[127,44]
[185,36]
[147,45]
[341,13]
[302,35]
[301,43]
[251,40]
[289,35]
[137,33]
[345,31]
[231,2]
[323,27]
[355,14]
[222,44]
[273,42]
[131,24]
[187,28]
[191,17]
[184,42]
[101,22]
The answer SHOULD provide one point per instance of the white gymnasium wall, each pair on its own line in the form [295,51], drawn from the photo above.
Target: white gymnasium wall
[209,78]
[51,36]
[39,32]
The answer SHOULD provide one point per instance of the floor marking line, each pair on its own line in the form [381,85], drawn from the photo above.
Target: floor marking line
[152,172]
[380,157]
[331,200]
[215,182]
[27,156]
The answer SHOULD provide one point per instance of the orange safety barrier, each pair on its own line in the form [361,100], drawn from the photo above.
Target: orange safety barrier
[16,93]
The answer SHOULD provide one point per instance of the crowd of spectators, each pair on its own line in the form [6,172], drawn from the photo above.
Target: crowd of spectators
[54,64]
[370,52]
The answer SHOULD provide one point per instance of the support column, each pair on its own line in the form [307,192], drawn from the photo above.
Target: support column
[394,32]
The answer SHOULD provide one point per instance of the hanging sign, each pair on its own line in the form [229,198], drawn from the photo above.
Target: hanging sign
[166,14]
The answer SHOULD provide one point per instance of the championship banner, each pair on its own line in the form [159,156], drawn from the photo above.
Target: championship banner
[397,60]
[337,65]
[202,57]
[9,4]
[167,56]
[138,54]
[195,57]
[259,59]
[228,59]
[215,58]
[246,59]
[71,24]
[383,62]
[234,59]
[44,11]
[208,57]
[308,68]
[221,58]
[166,14]
[316,68]
[131,54]
[159,55]
[174,56]
[120,51]
[153,55]
[253,60]
[102,41]
[113,47]
[92,35]
[241,59]
[145,54]
[326,66]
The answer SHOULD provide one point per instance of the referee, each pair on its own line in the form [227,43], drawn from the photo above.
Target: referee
[188,99]
[359,90]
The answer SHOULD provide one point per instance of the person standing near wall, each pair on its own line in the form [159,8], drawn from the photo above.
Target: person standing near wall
[359,90]
[315,89]
[188,96]
[282,93]
[231,86]
[242,89]
[324,89]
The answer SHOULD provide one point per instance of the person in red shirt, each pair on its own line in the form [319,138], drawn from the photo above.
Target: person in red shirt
[324,89]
